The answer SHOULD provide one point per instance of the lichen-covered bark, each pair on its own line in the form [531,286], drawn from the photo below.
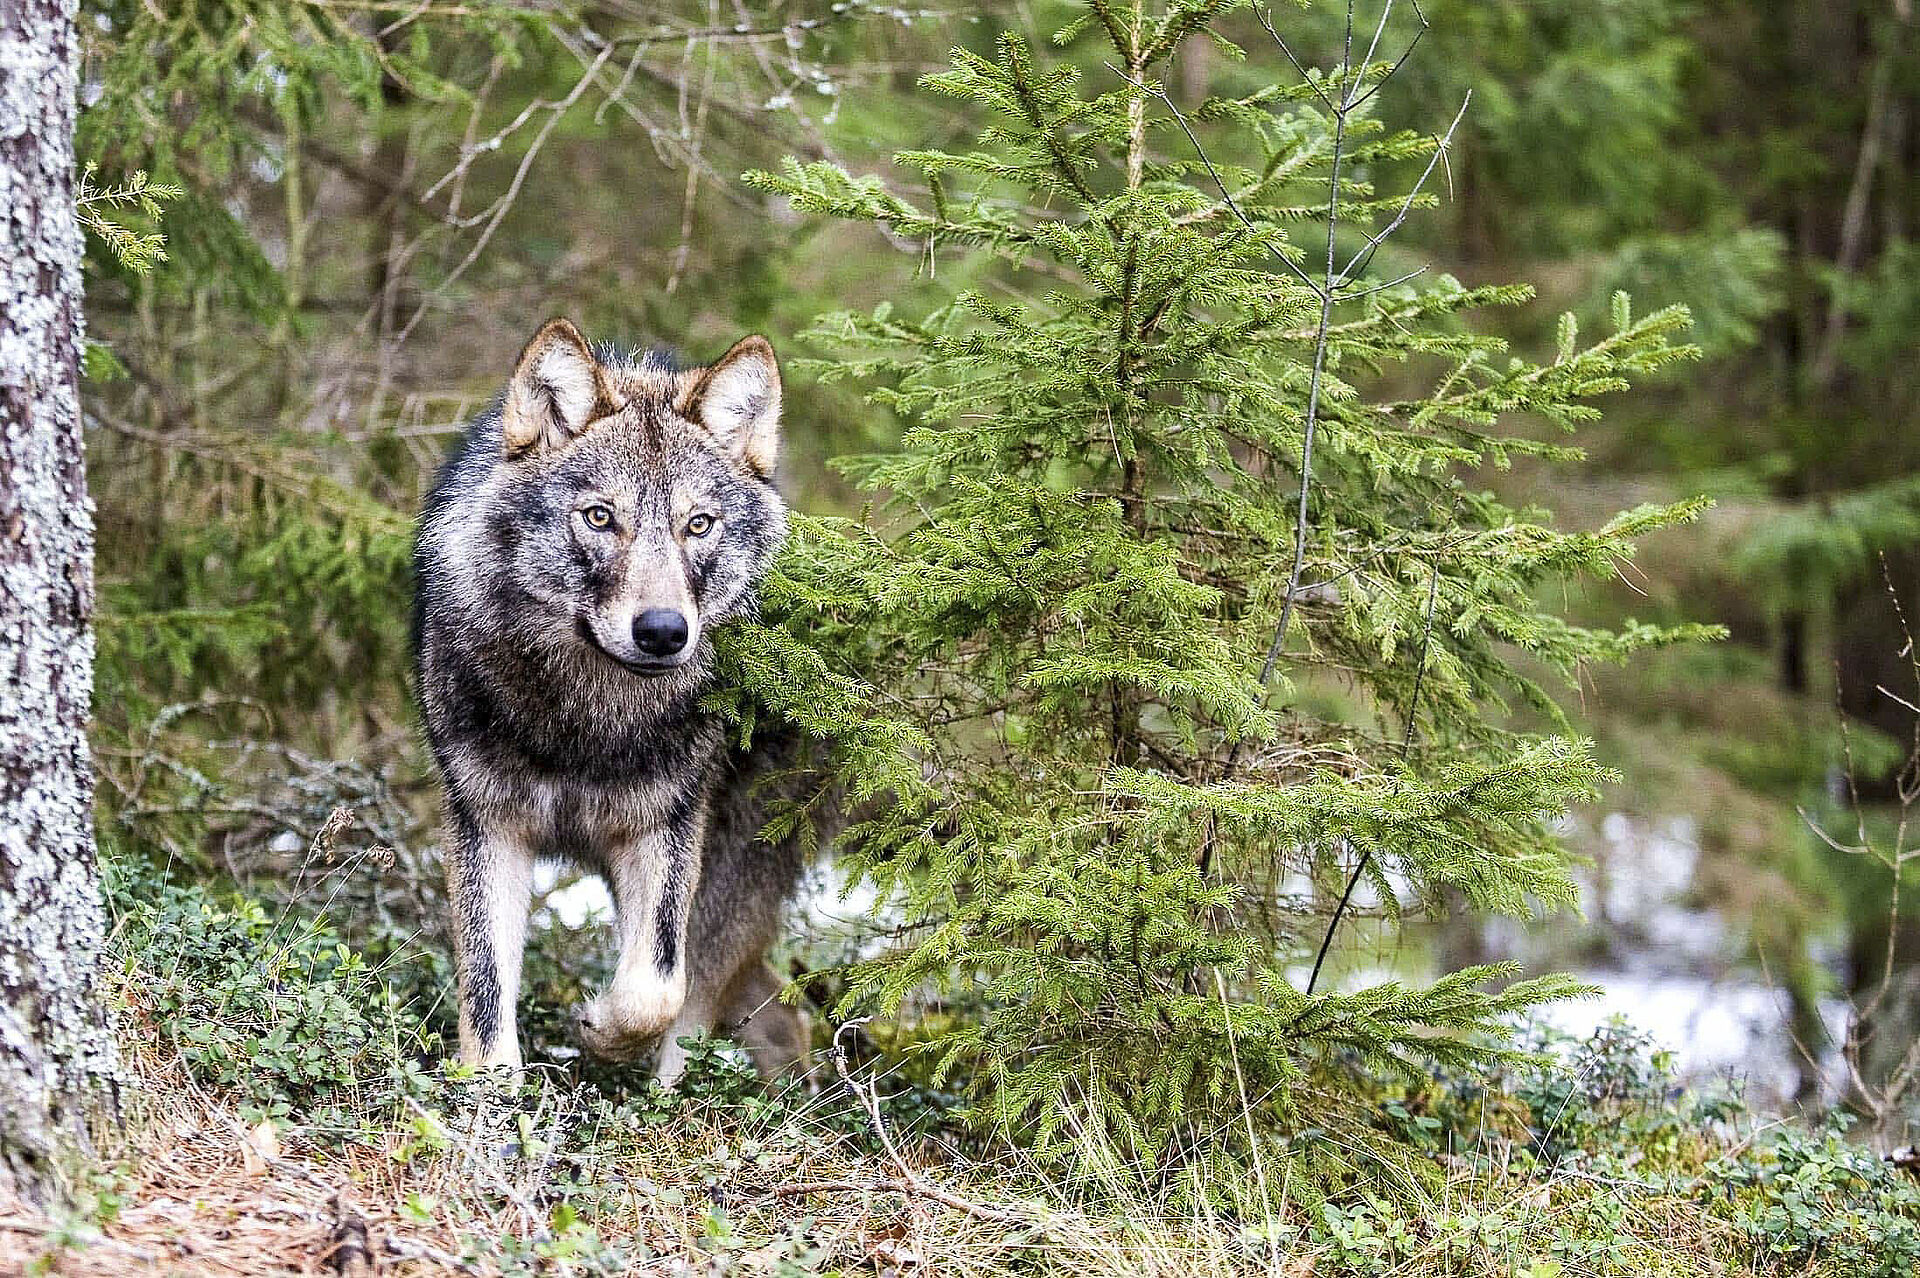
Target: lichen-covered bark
[55,1048]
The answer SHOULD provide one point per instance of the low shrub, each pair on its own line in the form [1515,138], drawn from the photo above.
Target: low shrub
[1813,1201]
[271,1007]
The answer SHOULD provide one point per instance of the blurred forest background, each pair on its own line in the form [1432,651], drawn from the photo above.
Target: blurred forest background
[365,215]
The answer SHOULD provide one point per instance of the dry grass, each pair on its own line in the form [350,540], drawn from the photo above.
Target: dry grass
[199,1192]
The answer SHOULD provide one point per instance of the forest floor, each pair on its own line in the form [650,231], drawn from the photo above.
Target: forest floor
[285,1111]
[199,1191]
[558,1181]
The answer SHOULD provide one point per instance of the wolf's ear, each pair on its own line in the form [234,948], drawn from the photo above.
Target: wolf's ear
[738,400]
[557,388]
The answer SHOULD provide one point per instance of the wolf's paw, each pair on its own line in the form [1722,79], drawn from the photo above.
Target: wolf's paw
[601,1040]
[625,1024]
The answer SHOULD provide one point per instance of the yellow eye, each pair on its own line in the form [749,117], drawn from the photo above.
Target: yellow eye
[699,525]
[598,518]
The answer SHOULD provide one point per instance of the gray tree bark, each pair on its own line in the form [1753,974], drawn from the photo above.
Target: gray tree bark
[56,1050]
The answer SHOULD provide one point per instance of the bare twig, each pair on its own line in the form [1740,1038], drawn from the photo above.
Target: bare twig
[908,1182]
[1325,290]
[1364,255]
[497,212]
[1404,53]
[1881,1092]
[698,130]
[1406,748]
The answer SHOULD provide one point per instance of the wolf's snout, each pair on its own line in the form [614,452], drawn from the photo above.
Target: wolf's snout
[660,632]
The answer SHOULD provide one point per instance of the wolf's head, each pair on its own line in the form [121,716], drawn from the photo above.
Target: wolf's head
[633,502]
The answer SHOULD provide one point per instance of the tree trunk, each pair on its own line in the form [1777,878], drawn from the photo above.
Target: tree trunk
[56,1052]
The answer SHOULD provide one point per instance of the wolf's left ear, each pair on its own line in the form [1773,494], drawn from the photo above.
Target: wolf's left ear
[738,400]
[557,389]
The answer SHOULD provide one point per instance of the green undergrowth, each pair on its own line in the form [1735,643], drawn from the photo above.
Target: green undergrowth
[1580,1157]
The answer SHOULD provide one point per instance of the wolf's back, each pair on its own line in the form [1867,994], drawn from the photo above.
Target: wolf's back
[462,471]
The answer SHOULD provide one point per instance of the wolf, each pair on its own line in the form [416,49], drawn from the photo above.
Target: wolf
[584,538]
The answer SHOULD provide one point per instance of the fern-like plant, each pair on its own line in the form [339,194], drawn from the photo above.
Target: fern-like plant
[1181,620]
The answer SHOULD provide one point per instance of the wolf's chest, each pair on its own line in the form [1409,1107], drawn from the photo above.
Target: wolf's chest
[538,726]
[593,755]
[589,824]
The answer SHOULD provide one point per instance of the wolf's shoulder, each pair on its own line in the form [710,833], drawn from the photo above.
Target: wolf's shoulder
[468,460]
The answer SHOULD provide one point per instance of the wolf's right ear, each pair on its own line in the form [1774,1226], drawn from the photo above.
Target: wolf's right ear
[557,389]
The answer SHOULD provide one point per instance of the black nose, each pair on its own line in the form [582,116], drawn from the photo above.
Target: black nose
[660,632]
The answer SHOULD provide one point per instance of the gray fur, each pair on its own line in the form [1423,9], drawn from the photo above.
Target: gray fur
[559,732]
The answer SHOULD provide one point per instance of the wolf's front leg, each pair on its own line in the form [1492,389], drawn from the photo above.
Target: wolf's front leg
[653,880]
[490,880]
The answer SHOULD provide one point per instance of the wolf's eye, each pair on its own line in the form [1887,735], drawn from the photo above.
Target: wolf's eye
[699,525]
[598,518]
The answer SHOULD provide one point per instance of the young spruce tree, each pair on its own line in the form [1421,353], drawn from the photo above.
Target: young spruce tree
[1180,617]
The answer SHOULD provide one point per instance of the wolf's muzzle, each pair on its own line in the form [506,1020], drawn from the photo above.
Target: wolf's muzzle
[645,665]
[660,633]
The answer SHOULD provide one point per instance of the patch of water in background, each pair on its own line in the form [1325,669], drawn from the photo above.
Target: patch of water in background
[820,908]
[573,904]
[1669,966]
